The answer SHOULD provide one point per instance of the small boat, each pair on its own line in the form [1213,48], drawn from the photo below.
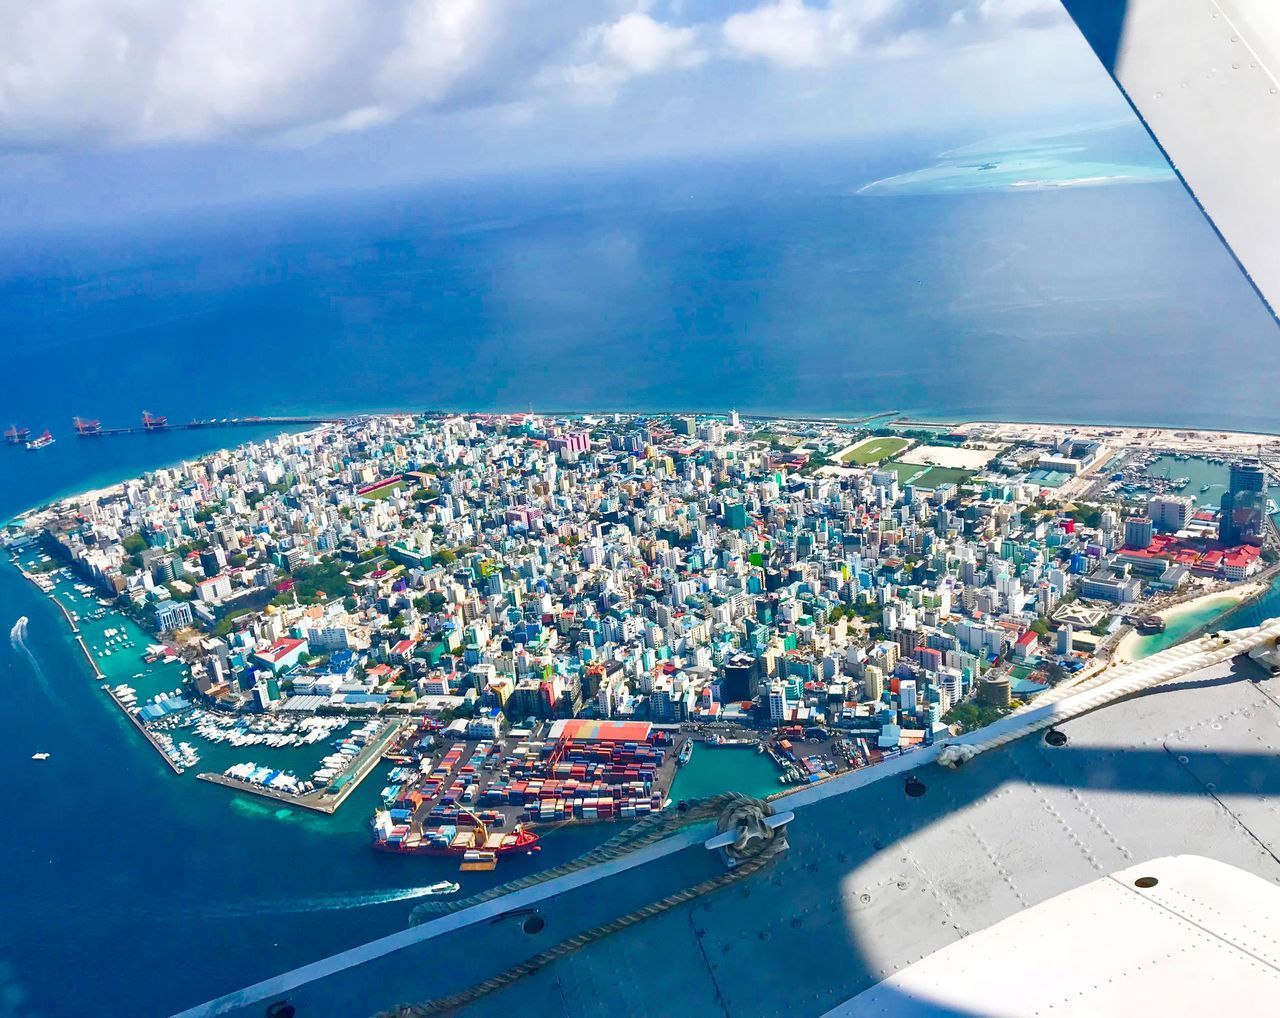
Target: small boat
[39,756]
[1204,488]
[686,753]
[444,887]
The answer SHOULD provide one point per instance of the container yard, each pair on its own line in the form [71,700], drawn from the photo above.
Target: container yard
[579,772]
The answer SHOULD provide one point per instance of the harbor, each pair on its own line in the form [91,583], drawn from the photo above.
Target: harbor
[145,682]
[326,798]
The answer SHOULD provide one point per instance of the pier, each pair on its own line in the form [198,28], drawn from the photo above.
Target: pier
[324,800]
[66,614]
[222,422]
[88,655]
[176,768]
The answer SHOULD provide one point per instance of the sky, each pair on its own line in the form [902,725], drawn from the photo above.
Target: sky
[109,108]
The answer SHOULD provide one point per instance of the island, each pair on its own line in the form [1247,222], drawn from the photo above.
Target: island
[527,620]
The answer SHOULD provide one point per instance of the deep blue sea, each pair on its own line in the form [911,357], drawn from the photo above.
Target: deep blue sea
[769,285]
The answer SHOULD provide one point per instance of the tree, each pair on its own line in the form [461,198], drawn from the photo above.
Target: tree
[134,544]
[1055,673]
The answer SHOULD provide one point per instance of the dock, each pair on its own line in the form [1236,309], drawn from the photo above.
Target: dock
[176,768]
[222,422]
[67,615]
[324,800]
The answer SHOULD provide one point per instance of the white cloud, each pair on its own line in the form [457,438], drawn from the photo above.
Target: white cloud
[787,32]
[609,54]
[797,34]
[129,71]
[643,45]
[1023,13]
[75,74]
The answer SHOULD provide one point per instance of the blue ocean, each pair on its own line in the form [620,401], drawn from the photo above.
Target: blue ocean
[770,284]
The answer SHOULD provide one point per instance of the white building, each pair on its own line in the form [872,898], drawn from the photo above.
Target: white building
[1170,513]
[778,711]
[215,588]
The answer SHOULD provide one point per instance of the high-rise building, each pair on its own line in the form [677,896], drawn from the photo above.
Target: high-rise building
[1137,532]
[740,674]
[1170,513]
[172,615]
[872,682]
[777,702]
[1244,505]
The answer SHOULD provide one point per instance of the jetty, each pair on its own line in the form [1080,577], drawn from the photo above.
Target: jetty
[152,425]
[176,768]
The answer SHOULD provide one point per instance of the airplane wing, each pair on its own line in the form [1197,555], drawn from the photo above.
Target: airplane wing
[889,864]
[1204,77]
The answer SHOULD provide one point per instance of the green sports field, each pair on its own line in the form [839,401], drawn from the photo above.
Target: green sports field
[873,450]
[927,477]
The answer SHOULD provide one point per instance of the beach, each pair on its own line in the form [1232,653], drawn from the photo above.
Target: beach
[1182,619]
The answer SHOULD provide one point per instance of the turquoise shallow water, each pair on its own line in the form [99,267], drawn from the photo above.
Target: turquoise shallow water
[1218,613]
[715,769]
[1182,625]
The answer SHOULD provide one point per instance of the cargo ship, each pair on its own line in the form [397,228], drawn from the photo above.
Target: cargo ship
[471,846]
[686,753]
[42,442]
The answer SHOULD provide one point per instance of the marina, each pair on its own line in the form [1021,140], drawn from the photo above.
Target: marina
[138,676]
[331,793]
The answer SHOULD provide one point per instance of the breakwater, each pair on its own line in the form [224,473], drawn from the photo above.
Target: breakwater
[196,425]
[176,768]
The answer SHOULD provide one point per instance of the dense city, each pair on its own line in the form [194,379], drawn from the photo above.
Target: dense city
[535,618]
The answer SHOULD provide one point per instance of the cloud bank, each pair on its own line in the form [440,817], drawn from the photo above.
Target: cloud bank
[76,74]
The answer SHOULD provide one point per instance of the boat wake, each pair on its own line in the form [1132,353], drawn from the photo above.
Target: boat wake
[333,902]
[18,640]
